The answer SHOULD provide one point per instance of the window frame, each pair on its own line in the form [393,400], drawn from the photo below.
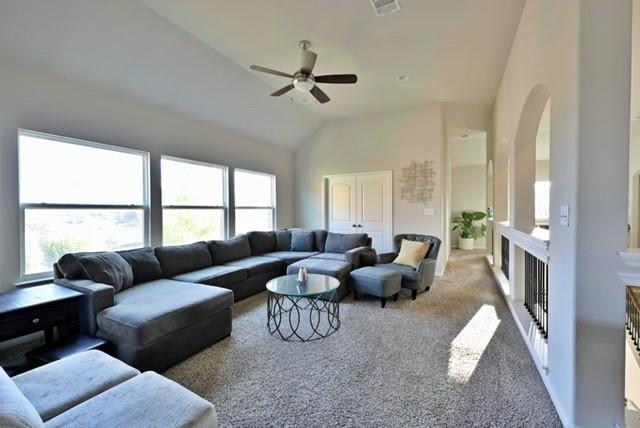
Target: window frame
[225,193]
[145,207]
[272,207]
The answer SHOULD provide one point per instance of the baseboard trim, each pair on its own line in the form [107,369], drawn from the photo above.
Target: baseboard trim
[542,371]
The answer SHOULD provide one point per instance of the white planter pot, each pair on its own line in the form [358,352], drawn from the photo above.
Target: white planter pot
[466,243]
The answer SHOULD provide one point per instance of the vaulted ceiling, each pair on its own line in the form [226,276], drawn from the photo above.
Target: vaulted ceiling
[192,56]
[450,50]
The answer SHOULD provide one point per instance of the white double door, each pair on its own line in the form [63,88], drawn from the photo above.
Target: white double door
[361,203]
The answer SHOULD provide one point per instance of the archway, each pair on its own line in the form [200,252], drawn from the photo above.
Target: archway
[523,195]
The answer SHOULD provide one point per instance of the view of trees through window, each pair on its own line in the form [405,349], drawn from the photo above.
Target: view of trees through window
[78,196]
[193,200]
[255,201]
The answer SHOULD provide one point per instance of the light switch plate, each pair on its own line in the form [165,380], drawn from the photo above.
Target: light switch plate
[429,211]
[564,215]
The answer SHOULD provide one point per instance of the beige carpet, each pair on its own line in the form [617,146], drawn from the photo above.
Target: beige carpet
[451,358]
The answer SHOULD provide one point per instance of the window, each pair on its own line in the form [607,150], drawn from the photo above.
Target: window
[255,196]
[542,189]
[193,201]
[78,196]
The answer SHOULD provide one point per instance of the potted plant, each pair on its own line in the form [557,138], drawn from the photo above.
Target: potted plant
[469,232]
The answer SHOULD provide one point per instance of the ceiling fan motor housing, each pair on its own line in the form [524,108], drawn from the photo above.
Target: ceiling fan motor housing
[303,82]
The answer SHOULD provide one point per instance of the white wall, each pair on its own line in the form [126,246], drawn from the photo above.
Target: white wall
[372,143]
[580,51]
[468,193]
[41,102]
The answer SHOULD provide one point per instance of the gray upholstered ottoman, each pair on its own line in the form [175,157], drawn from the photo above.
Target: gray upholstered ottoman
[377,282]
[337,269]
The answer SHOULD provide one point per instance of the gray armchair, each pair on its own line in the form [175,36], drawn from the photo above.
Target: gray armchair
[417,279]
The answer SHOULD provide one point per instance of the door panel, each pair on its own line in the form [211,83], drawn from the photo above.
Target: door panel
[374,208]
[342,204]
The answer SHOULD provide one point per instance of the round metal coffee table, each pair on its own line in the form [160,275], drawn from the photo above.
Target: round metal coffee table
[303,312]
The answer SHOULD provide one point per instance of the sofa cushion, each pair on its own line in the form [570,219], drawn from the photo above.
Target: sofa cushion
[288,257]
[15,409]
[108,268]
[343,242]
[257,265]
[283,240]
[144,263]
[262,242]
[230,249]
[320,236]
[56,387]
[69,266]
[177,259]
[149,311]
[220,276]
[331,256]
[146,401]
[334,268]
[408,273]
[302,240]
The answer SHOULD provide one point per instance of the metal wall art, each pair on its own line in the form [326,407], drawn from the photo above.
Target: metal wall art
[418,182]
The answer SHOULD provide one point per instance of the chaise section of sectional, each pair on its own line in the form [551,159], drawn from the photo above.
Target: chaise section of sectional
[159,323]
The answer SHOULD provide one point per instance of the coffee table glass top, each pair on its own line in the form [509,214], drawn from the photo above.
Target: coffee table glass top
[316,284]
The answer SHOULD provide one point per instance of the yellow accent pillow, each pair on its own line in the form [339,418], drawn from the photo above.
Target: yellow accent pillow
[412,252]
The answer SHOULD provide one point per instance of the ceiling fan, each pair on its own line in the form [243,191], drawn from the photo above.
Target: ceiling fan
[303,80]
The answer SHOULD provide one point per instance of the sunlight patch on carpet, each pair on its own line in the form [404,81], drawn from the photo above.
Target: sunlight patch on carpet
[469,345]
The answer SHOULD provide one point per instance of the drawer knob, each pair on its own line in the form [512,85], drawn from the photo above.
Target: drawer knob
[35,320]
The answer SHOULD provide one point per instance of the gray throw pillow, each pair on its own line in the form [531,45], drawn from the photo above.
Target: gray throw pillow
[108,268]
[343,242]
[144,263]
[69,266]
[283,240]
[301,240]
[320,236]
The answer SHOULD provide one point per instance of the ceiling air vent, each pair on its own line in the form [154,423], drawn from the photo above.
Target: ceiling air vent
[385,7]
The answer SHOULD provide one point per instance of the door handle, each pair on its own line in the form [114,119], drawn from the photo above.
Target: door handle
[353,225]
[359,225]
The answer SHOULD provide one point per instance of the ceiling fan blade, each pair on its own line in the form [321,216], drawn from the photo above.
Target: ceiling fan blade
[337,78]
[270,71]
[308,61]
[319,95]
[282,91]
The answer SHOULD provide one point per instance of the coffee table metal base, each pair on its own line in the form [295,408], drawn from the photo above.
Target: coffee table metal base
[285,316]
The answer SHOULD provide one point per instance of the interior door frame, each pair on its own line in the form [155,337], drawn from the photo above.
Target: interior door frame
[325,195]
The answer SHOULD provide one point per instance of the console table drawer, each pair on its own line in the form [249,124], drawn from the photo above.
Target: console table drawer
[33,320]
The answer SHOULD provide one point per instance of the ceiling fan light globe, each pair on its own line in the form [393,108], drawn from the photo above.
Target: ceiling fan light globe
[303,83]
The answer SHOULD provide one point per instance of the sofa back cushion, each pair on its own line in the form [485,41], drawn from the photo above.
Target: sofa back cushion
[144,263]
[283,240]
[177,259]
[230,249]
[302,240]
[262,242]
[108,268]
[16,411]
[320,237]
[343,242]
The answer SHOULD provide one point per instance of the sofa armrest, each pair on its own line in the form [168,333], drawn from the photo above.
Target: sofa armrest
[353,256]
[427,271]
[386,258]
[97,297]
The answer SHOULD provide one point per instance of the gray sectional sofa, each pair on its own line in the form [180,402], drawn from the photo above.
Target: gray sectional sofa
[180,298]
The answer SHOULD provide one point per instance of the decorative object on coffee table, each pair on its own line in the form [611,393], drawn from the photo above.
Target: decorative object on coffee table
[289,305]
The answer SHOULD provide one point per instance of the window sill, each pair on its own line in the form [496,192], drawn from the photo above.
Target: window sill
[33,282]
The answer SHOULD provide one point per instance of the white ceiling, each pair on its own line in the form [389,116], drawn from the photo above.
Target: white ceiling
[452,50]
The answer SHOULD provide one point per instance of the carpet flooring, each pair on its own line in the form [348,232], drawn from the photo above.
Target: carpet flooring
[451,358]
